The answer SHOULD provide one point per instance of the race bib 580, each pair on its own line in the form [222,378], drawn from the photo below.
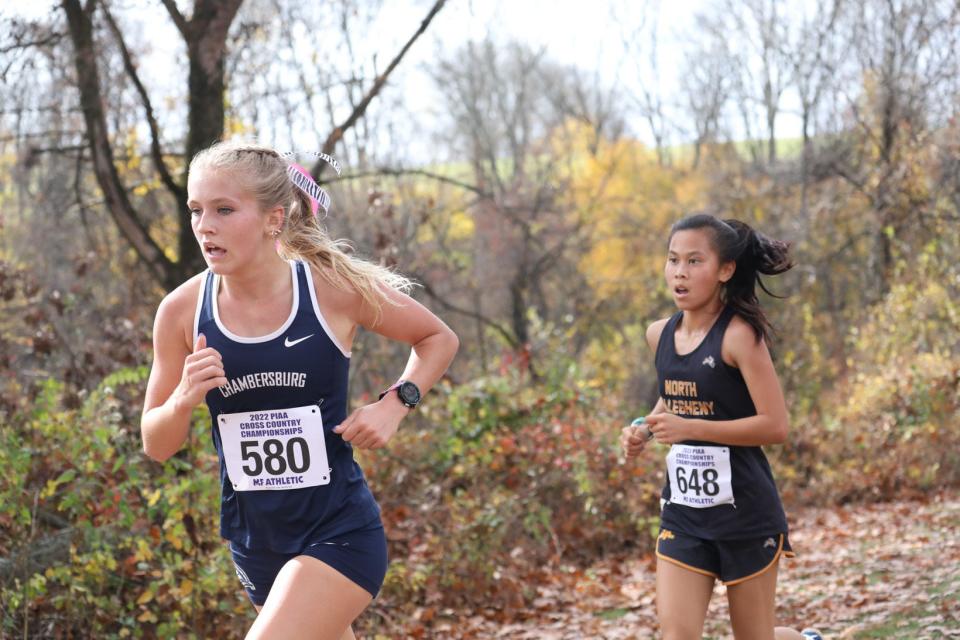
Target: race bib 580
[276,449]
[700,476]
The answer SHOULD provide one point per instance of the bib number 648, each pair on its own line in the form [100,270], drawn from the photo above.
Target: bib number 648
[276,458]
[705,482]
[700,475]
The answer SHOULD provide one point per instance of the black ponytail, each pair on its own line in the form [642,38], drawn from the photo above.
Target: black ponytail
[754,253]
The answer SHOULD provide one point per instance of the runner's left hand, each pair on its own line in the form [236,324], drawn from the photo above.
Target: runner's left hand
[372,426]
[668,428]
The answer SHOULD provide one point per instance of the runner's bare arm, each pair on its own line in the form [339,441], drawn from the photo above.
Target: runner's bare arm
[433,348]
[653,339]
[433,343]
[660,407]
[179,378]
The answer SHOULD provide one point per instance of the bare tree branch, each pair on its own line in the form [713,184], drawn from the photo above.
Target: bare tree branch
[397,173]
[331,142]
[503,331]
[178,192]
[53,38]
[118,203]
[178,18]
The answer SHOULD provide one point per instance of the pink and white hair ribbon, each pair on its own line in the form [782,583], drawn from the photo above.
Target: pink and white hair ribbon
[301,178]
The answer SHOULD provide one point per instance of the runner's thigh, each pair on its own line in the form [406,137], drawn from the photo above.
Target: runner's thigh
[309,601]
[752,606]
[682,599]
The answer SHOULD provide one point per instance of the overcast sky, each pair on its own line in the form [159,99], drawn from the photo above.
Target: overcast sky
[589,35]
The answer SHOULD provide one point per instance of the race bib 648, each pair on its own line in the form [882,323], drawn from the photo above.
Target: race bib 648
[700,476]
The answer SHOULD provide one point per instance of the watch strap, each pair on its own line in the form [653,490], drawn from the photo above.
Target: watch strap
[399,386]
[393,387]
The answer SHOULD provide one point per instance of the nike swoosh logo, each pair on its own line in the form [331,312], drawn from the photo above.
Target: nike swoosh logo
[289,343]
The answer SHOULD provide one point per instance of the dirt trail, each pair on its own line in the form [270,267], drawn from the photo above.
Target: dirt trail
[862,571]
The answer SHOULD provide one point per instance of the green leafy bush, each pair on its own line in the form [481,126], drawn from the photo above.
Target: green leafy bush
[98,540]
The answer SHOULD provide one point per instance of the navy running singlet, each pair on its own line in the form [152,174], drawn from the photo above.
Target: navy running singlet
[713,491]
[286,479]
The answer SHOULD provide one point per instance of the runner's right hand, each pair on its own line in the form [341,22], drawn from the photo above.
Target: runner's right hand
[633,440]
[202,371]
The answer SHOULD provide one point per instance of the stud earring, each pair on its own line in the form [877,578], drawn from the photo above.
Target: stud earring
[275,233]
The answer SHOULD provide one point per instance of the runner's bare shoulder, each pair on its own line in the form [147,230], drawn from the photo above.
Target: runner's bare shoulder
[178,309]
[654,331]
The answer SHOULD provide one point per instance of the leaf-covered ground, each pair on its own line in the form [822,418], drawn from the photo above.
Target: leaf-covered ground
[862,571]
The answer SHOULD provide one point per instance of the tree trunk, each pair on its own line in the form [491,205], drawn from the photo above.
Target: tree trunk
[206,38]
[771,136]
[79,20]
[805,156]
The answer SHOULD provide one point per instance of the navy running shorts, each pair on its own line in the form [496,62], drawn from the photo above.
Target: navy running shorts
[359,555]
[730,561]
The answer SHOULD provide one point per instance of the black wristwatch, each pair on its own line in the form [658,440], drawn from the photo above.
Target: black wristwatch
[408,392]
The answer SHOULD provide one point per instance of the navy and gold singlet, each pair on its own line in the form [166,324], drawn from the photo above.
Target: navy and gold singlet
[286,479]
[713,491]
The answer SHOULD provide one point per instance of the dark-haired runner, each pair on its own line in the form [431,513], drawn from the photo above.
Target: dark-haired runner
[720,402]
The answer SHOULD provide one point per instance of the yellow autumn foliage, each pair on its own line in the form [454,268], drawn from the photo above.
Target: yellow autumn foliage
[628,201]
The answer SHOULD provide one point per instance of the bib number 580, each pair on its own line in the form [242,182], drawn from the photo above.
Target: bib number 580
[276,458]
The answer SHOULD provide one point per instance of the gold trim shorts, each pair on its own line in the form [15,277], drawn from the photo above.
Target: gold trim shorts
[730,561]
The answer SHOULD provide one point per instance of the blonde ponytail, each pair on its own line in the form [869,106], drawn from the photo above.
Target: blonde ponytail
[303,238]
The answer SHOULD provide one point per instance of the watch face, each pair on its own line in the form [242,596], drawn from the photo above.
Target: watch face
[409,393]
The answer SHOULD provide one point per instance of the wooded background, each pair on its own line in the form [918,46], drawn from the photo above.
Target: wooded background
[537,230]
